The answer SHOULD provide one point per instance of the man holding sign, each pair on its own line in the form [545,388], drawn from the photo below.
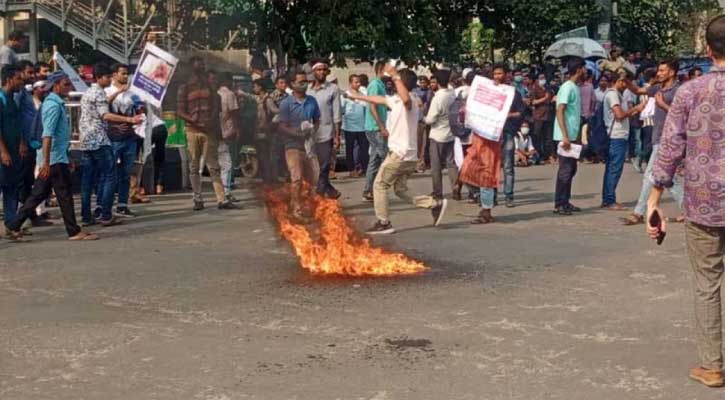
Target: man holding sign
[566,131]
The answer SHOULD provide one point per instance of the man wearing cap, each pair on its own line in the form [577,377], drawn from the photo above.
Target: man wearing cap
[55,171]
[327,137]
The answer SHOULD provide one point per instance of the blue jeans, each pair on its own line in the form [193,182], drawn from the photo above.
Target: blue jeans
[10,201]
[125,151]
[677,191]
[487,196]
[509,156]
[378,152]
[97,163]
[613,172]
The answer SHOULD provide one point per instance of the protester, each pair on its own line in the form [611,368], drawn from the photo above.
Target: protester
[196,106]
[650,78]
[513,122]
[375,130]
[228,130]
[353,125]
[614,63]
[664,94]
[299,118]
[328,136]
[159,135]
[441,138]
[424,94]
[694,73]
[692,128]
[13,148]
[42,70]
[279,165]
[525,151]
[542,128]
[16,40]
[616,119]
[97,156]
[601,89]
[401,161]
[263,130]
[55,173]
[566,131]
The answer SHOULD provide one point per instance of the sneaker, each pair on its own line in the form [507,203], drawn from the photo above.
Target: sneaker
[111,222]
[40,222]
[228,205]
[707,377]
[125,212]
[86,224]
[97,213]
[230,198]
[381,228]
[562,211]
[198,205]
[438,212]
[510,203]
[368,196]
[572,208]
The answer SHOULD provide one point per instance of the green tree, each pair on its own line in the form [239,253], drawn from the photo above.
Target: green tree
[477,43]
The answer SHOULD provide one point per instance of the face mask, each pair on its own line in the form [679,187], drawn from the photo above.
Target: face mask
[518,79]
[542,82]
[524,131]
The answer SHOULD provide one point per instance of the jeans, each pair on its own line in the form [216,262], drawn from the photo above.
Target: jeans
[542,135]
[394,173]
[646,148]
[10,201]
[613,171]
[564,178]
[378,152]
[706,249]
[325,152]
[125,151]
[487,197]
[158,138]
[27,178]
[60,182]
[635,141]
[351,139]
[98,163]
[677,191]
[442,154]
[509,153]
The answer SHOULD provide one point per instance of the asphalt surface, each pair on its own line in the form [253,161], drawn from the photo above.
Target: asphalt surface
[213,306]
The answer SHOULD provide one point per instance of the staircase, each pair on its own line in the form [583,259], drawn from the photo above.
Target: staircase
[102,24]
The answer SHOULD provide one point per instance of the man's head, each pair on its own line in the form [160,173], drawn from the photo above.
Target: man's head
[198,66]
[212,78]
[380,68]
[423,82]
[59,83]
[443,76]
[258,86]
[614,54]
[525,128]
[649,75]
[604,82]
[364,80]
[499,73]
[623,79]
[280,84]
[103,74]
[28,71]
[576,69]
[354,81]
[694,73]
[120,73]
[518,77]
[39,91]
[715,38]
[17,40]
[469,78]
[299,84]
[320,70]
[638,55]
[541,80]
[12,78]
[408,78]
[667,70]
[631,57]
[434,84]
[42,70]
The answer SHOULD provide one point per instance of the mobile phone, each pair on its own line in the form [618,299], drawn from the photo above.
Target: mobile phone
[655,221]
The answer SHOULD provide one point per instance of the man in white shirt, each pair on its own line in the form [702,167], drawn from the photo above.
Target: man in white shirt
[401,161]
[441,138]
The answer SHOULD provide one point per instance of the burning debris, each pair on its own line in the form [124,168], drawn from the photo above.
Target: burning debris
[329,246]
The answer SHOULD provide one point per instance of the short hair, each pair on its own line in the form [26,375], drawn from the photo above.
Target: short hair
[298,73]
[671,63]
[609,76]
[22,64]
[443,76]
[409,78]
[16,36]
[470,77]
[9,72]
[691,72]
[625,74]
[261,82]
[500,66]
[715,36]
[649,74]
[364,79]
[423,78]
[100,70]
[574,64]
[280,78]
[351,77]
[116,67]
[41,64]
[379,65]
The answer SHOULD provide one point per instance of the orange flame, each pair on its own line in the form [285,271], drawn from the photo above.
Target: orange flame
[334,248]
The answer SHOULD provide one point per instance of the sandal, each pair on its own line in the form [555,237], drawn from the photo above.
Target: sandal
[15,236]
[615,207]
[111,222]
[678,220]
[83,236]
[633,219]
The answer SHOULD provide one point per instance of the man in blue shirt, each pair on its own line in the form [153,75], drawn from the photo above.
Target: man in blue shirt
[353,125]
[299,119]
[55,171]
[12,145]
[375,129]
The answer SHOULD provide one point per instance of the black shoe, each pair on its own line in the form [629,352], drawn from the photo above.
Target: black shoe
[40,222]
[97,213]
[438,212]
[367,196]
[333,194]
[562,211]
[572,208]
[198,205]
[510,203]
[86,224]
[381,229]
[228,205]
[125,212]
[230,198]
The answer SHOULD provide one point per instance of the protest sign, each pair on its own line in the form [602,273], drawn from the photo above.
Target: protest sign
[75,79]
[153,75]
[487,108]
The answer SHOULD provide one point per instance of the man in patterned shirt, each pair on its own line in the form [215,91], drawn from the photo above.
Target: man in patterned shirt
[97,155]
[693,132]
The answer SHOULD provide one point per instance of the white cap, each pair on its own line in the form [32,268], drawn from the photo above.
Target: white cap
[466,71]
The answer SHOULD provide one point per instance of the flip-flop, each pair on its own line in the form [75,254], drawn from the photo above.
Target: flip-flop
[632,220]
[677,220]
[112,222]
[83,237]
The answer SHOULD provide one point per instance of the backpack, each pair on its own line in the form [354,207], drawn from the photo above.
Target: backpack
[457,118]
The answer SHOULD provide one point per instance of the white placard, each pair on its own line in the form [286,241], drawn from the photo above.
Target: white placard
[575,151]
[153,75]
[78,83]
[487,108]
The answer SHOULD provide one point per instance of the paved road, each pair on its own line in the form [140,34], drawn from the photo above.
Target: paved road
[212,306]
